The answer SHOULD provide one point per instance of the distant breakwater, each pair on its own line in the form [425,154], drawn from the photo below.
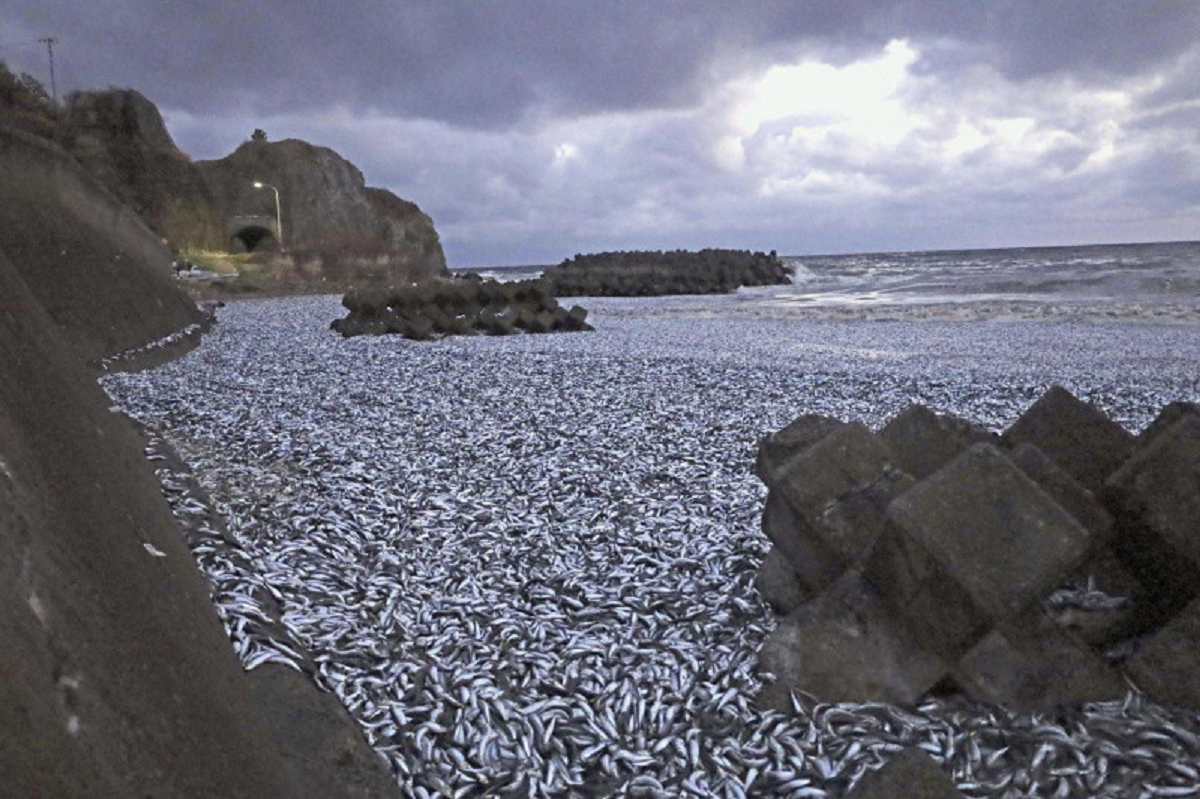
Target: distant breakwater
[646,274]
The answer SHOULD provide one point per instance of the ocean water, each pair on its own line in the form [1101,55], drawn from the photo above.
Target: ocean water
[1123,273]
[1019,281]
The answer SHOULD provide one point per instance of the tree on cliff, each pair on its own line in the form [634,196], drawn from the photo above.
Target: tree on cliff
[25,103]
[258,135]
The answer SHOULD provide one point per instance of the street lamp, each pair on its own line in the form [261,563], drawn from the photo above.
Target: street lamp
[278,215]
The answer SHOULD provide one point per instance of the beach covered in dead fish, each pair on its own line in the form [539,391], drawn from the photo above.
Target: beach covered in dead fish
[525,564]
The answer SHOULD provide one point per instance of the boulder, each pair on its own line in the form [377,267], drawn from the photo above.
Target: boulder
[844,646]
[1076,435]
[972,546]
[922,441]
[911,774]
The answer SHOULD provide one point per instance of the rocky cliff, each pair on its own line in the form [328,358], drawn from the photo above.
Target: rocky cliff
[119,136]
[326,207]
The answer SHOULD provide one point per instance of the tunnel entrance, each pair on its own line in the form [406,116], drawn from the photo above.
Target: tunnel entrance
[254,238]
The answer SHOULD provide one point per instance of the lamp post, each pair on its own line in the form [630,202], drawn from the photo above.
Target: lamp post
[278,215]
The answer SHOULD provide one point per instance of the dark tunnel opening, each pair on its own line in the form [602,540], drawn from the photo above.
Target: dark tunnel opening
[253,239]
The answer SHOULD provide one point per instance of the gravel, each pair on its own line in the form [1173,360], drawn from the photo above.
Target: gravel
[526,564]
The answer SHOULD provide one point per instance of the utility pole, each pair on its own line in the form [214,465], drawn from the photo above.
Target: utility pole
[50,41]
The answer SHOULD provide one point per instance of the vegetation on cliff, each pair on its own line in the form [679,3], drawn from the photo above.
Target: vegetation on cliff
[25,104]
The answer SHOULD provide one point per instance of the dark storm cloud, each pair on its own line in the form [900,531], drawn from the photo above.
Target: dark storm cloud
[493,64]
[533,129]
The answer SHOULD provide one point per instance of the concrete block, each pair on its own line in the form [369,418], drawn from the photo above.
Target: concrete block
[845,459]
[1064,489]
[839,489]
[1168,665]
[438,319]
[418,327]
[1160,487]
[527,319]
[1101,624]
[1030,664]
[814,564]
[843,646]
[497,320]
[461,326]
[1169,415]
[922,441]
[779,584]
[1155,498]
[1075,434]
[775,449]
[971,546]
[578,318]
[911,774]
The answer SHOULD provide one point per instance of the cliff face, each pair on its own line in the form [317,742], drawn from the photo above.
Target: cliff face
[326,206]
[119,136]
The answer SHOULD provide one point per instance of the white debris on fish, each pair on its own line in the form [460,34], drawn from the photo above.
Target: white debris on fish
[526,565]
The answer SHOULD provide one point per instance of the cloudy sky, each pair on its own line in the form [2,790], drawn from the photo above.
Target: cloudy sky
[531,130]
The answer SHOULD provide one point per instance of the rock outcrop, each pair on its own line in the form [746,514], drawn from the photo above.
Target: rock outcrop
[326,205]
[329,214]
[119,136]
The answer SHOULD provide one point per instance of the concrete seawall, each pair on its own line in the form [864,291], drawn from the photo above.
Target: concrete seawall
[118,679]
[95,267]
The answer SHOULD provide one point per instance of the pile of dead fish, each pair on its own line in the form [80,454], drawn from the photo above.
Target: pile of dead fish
[1054,565]
[461,306]
[525,564]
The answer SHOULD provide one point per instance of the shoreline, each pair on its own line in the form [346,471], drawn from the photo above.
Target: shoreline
[754,306]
